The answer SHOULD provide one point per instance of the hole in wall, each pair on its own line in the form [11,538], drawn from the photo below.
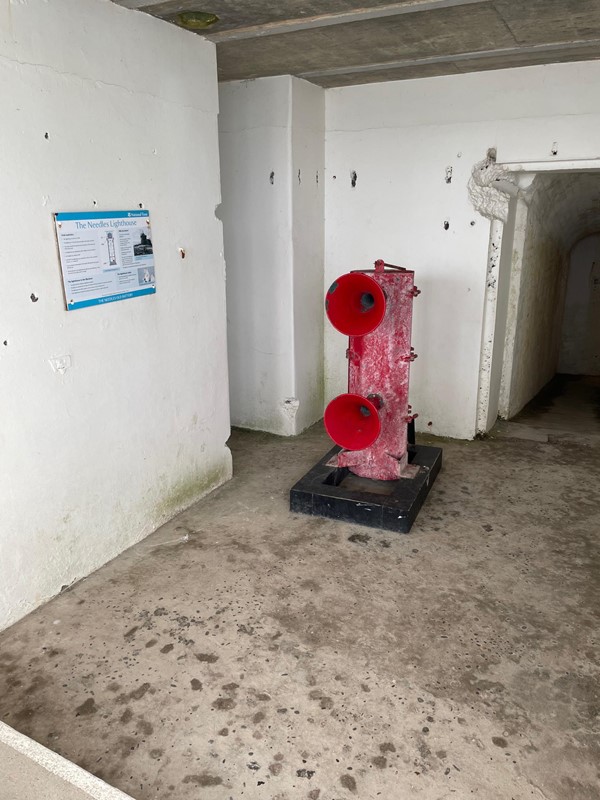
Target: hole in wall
[353,179]
[446,225]
[272,178]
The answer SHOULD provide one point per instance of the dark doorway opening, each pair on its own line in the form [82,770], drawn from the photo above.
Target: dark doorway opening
[567,404]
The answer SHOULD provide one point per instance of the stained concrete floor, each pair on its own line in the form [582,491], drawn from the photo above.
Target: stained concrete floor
[242,652]
[568,404]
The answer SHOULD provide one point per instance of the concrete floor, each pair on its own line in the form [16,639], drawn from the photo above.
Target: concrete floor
[30,771]
[569,403]
[242,652]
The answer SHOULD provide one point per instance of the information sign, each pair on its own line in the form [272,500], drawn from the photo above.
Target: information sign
[105,256]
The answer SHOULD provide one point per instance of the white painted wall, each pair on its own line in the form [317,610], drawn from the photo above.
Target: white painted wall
[308,223]
[580,341]
[513,245]
[95,459]
[255,145]
[399,137]
[270,131]
[502,309]
[541,301]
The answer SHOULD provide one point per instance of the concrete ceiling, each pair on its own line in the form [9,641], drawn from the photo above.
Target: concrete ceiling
[345,42]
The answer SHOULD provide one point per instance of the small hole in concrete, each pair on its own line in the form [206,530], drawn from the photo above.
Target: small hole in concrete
[353,179]
[33,298]
[446,225]
[272,178]
[46,135]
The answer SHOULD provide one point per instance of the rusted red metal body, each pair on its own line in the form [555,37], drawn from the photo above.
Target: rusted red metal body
[378,374]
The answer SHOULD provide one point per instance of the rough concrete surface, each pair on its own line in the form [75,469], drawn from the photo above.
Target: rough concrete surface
[30,771]
[243,652]
[344,42]
[23,779]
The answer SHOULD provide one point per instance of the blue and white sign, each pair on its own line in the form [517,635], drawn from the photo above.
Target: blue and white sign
[105,256]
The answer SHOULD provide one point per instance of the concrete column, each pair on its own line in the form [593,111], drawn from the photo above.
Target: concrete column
[272,144]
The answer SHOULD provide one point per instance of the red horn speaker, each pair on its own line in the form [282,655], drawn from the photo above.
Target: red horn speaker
[355,304]
[352,421]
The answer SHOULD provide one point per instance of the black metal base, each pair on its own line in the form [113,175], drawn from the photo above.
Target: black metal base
[389,505]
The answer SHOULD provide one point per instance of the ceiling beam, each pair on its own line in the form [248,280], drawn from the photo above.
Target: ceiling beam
[134,4]
[574,165]
[339,18]
[542,49]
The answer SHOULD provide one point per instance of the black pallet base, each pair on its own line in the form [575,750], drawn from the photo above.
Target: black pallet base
[336,493]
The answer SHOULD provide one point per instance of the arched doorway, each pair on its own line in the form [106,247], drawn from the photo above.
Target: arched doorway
[540,284]
[570,401]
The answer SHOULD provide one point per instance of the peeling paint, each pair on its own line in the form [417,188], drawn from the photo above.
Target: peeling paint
[486,197]
[290,407]
[489,322]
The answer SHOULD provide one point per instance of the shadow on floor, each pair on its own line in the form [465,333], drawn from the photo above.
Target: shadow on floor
[567,409]
[567,403]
